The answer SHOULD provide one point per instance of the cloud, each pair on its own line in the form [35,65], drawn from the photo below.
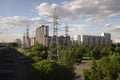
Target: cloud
[113,28]
[77,29]
[18,21]
[92,10]
[107,25]
[44,9]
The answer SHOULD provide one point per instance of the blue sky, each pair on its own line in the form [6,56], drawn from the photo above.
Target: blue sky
[90,17]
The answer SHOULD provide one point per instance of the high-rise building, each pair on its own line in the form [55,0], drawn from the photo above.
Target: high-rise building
[85,39]
[102,40]
[91,40]
[32,41]
[105,39]
[42,34]
[77,40]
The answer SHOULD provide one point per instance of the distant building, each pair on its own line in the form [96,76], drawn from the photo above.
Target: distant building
[32,41]
[107,38]
[42,37]
[104,39]
[91,40]
[97,40]
[42,34]
[85,39]
[76,40]
[62,40]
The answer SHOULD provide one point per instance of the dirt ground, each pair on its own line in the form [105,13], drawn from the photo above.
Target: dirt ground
[79,69]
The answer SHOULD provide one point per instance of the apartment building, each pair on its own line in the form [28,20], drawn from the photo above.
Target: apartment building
[104,39]
[42,34]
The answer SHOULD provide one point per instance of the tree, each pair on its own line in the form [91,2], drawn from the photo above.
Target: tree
[50,70]
[107,68]
[106,50]
[38,52]
[67,59]
[95,53]
[117,49]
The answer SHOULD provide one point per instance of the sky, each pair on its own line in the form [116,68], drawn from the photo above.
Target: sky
[89,17]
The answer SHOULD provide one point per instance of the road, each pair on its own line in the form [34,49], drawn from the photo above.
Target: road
[79,69]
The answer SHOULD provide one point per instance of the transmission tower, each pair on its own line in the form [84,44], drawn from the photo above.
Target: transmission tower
[66,30]
[54,39]
[27,38]
[24,43]
[67,40]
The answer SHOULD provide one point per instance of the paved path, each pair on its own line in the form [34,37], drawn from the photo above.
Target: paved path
[79,69]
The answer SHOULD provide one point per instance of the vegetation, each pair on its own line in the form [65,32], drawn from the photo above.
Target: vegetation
[107,67]
[37,52]
[50,70]
[105,62]
[44,69]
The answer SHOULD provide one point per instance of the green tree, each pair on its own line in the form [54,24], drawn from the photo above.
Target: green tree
[38,52]
[95,53]
[105,51]
[50,70]
[67,59]
[117,49]
[107,68]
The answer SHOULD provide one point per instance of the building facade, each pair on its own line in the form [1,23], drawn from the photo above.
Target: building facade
[32,41]
[104,39]
[42,34]
[107,37]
